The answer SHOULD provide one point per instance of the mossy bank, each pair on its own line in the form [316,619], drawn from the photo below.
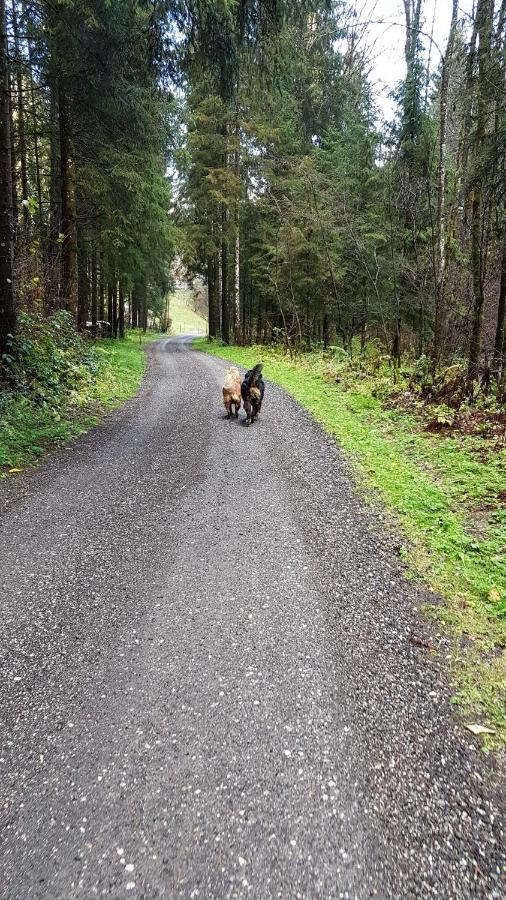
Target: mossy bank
[56,384]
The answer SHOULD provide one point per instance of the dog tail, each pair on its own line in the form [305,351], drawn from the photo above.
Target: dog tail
[256,372]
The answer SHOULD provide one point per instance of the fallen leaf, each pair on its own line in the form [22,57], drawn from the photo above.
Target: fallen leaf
[494,595]
[14,471]
[480,729]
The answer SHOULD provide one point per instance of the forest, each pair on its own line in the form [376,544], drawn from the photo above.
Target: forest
[242,137]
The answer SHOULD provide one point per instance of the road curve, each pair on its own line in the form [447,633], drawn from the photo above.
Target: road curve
[209,686]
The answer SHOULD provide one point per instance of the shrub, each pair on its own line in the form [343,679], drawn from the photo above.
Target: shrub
[48,360]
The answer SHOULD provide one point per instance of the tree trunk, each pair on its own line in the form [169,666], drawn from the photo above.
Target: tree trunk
[237,287]
[21,122]
[82,280]
[363,323]
[396,343]
[245,308]
[13,167]
[115,317]
[94,290]
[249,330]
[134,308]
[440,267]
[484,25]
[36,151]
[101,289]
[7,292]
[213,291]
[237,241]
[54,288]
[225,302]
[499,362]
[260,320]
[110,308]
[225,308]
[121,312]
[465,143]
[410,119]
[164,324]
[68,214]
[144,307]
[326,330]
[501,390]
[478,293]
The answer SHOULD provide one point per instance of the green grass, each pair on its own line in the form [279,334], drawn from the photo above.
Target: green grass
[183,318]
[27,430]
[444,497]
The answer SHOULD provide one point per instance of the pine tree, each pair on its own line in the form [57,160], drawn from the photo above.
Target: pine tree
[7,291]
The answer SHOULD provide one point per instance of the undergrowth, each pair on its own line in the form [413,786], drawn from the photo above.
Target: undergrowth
[55,384]
[445,485]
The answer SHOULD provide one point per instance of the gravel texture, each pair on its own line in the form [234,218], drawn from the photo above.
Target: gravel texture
[209,684]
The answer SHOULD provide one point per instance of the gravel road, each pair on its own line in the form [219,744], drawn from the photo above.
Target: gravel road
[209,683]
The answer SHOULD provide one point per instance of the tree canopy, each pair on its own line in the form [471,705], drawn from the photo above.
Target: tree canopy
[243,137]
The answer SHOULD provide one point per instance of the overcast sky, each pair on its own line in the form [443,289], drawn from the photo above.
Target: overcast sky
[384,39]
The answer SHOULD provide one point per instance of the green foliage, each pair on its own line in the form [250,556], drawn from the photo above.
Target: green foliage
[435,486]
[341,230]
[73,383]
[312,221]
[121,160]
[94,79]
[47,361]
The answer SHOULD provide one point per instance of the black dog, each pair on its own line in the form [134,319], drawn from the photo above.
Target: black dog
[252,392]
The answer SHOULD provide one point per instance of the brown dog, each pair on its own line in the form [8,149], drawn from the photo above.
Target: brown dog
[232,392]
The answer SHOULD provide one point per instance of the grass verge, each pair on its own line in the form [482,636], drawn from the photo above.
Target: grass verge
[28,430]
[445,497]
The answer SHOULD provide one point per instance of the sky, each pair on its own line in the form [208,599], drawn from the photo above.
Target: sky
[384,39]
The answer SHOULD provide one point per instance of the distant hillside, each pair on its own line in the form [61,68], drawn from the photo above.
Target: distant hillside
[183,314]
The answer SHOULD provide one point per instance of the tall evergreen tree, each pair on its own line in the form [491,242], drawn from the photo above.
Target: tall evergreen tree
[7,291]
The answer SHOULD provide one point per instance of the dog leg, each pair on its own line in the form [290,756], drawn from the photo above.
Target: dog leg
[247,410]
